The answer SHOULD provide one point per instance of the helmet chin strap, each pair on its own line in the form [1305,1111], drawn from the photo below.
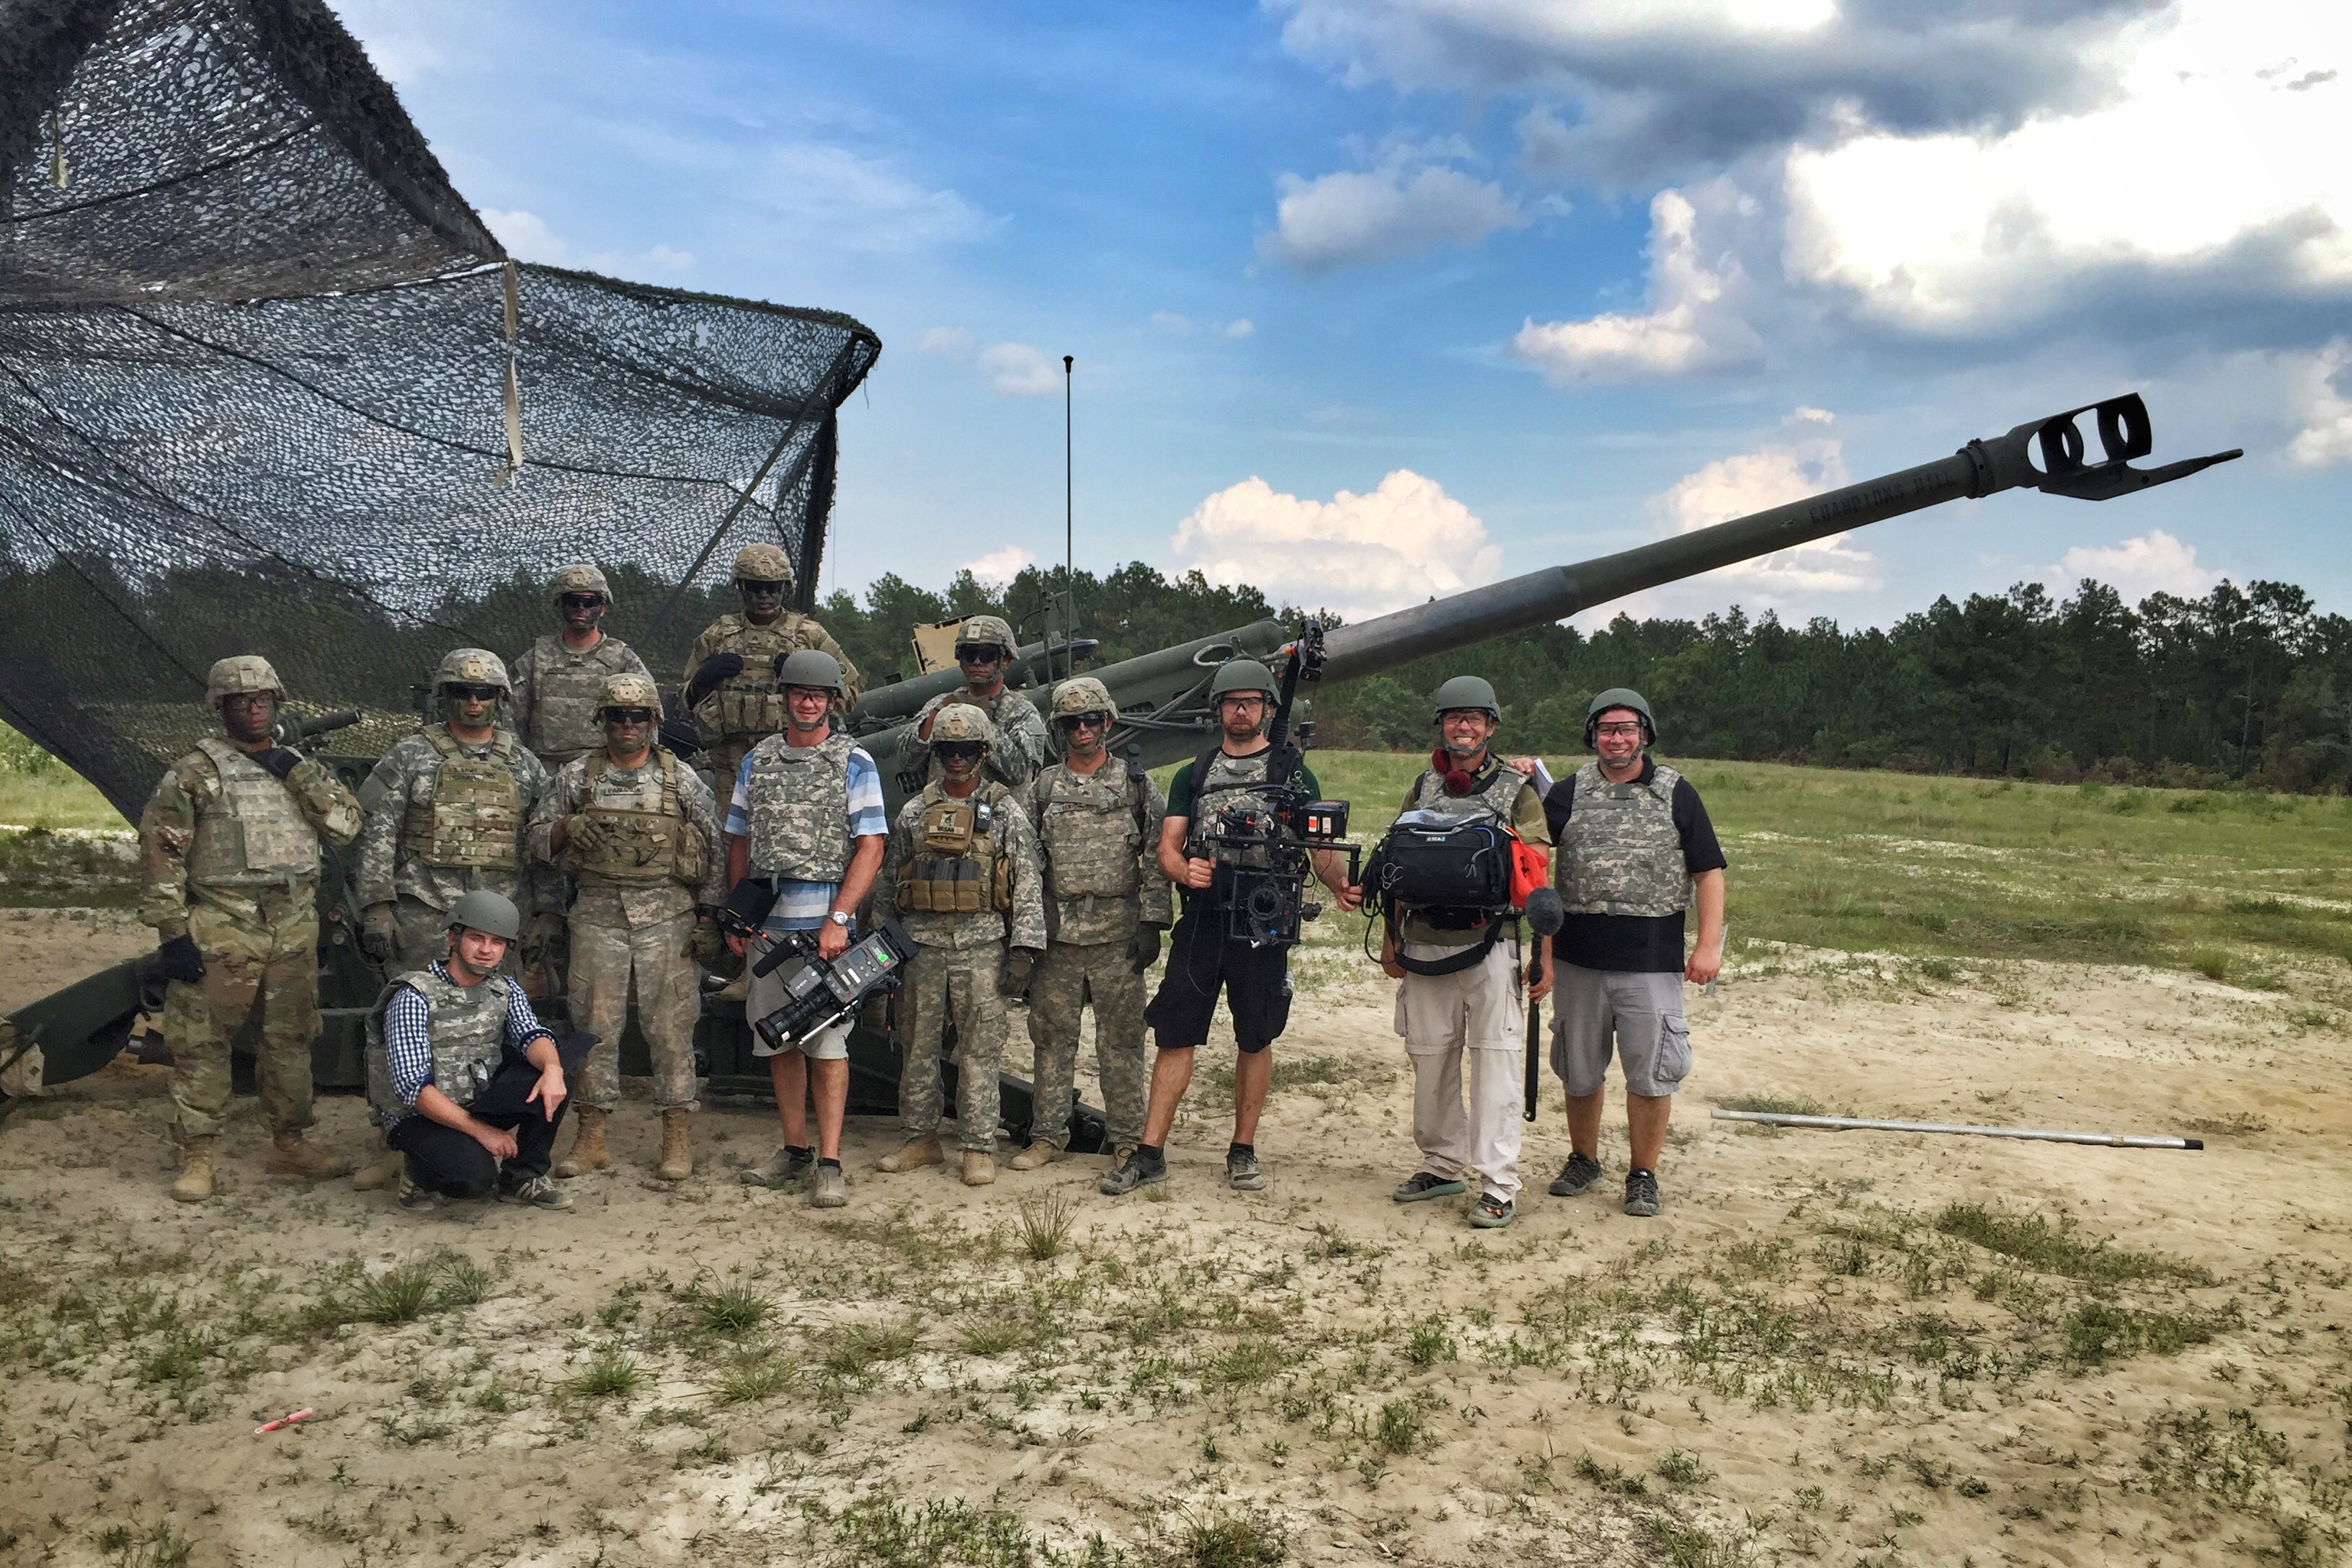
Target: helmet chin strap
[1458,780]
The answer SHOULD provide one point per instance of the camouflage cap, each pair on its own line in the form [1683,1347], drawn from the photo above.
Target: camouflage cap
[1083,695]
[473,667]
[762,563]
[580,577]
[235,677]
[961,722]
[630,690]
[988,631]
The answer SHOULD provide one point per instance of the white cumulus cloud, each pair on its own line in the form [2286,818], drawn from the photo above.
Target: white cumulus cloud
[2154,562]
[1774,473]
[862,202]
[527,236]
[1403,542]
[2326,437]
[1690,325]
[1000,566]
[1016,370]
[1411,200]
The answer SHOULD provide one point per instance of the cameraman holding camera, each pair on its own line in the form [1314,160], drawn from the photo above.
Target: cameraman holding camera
[1459,1004]
[807,823]
[1203,959]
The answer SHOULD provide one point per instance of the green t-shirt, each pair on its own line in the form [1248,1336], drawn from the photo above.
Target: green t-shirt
[1180,789]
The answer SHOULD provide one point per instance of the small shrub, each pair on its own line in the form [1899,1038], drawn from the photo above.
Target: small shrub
[1233,1538]
[1429,1343]
[613,1372]
[733,1308]
[2212,962]
[1683,1468]
[1045,1226]
[400,1294]
[1400,1429]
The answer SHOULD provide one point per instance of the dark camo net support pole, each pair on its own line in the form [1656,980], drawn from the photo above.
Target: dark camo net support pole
[253,355]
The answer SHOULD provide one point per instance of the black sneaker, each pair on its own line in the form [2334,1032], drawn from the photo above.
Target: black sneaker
[416,1197]
[1425,1184]
[1242,1172]
[1581,1172]
[541,1192]
[1133,1174]
[1642,1193]
[784,1168]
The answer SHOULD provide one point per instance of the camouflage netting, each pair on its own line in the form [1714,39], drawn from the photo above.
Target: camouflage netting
[254,355]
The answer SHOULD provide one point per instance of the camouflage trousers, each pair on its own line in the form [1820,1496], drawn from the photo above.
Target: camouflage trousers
[1067,977]
[269,967]
[605,962]
[957,984]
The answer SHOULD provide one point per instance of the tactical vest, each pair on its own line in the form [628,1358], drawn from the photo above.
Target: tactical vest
[566,691]
[956,868]
[645,836]
[466,1027]
[1499,799]
[749,706]
[799,798]
[253,834]
[1092,828]
[1619,852]
[1212,772]
[473,816]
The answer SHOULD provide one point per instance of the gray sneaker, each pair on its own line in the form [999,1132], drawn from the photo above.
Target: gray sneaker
[1134,1174]
[540,1191]
[782,1169]
[1242,1172]
[1422,1185]
[1491,1213]
[1581,1172]
[1642,1193]
[831,1189]
[415,1198]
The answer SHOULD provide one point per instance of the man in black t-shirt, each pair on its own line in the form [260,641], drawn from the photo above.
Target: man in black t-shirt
[1635,852]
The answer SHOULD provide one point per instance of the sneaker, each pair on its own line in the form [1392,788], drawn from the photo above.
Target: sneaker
[1134,1174]
[540,1192]
[1642,1193]
[831,1189]
[1242,1172]
[412,1196]
[1581,1172]
[1423,1184]
[784,1168]
[1493,1213]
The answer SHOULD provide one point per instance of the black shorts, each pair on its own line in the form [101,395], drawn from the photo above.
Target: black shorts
[1201,962]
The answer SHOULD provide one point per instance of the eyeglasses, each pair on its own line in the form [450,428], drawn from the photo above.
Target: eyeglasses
[1255,699]
[581,601]
[463,692]
[803,693]
[629,715]
[753,585]
[979,653]
[1634,728]
[1095,721]
[951,751]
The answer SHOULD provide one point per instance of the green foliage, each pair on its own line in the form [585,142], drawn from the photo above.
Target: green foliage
[877,1531]
[613,1372]
[400,1294]
[1231,1538]
[734,1308]
[2057,1249]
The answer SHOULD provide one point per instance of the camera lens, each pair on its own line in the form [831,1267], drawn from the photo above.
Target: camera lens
[1265,902]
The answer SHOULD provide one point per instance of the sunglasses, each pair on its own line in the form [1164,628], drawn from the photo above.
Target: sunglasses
[472,693]
[979,653]
[1094,720]
[581,601]
[950,751]
[629,715]
[750,586]
[1633,728]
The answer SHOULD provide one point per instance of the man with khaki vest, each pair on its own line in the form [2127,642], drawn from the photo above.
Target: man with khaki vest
[229,851]
[1105,906]
[732,686]
[637,831]
[960,874]
[984,650]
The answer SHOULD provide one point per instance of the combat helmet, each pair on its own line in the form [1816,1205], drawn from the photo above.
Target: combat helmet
[1083,694]
[238,676]
[810,667]
[1620,697]
[1466,692]
[963,721]
[987,631]
[493,914]
[1242,675]
[630,690]
[761,563]
[472,666]
[580,577]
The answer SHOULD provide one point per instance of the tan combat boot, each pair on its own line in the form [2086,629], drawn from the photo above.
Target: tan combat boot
[588,1150]
[914,1154]
[1038,1153]
[379,1172]
[677,1157]
[195,1183]
[978,1169]
[292,1155]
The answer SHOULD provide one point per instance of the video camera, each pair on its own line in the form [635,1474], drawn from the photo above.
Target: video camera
[820,993]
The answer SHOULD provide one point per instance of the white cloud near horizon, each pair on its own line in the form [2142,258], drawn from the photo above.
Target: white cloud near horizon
[2325,438]
[2154,562]
[1410,201]
[1017,370]
[1000,566]
[528,237]
[947,342]
[1403,541]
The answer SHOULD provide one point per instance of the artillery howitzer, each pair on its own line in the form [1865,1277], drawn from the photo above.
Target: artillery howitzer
[1164,713]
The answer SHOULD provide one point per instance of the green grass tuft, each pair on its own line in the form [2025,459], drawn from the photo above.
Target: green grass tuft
[2057,1249]
[613,1374]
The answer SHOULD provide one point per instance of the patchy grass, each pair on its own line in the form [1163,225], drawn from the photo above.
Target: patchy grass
[613,1374]
[1044,1225]
[2057,1250]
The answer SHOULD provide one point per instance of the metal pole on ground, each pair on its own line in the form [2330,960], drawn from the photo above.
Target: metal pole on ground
[2031,1134]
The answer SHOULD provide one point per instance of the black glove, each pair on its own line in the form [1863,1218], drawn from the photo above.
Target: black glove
[377,933]
[182,959]
[278,760]
[1019,964]
[1143,947]
[679,733]
[718,666]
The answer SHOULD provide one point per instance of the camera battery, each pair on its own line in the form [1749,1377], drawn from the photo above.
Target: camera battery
[1325,819]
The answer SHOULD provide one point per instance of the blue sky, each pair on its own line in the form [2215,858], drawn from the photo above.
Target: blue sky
[1374,299]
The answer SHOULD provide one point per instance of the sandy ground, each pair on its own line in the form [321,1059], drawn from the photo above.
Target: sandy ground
[1793,1363]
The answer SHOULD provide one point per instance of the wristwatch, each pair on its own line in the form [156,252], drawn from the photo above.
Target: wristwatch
[839,918]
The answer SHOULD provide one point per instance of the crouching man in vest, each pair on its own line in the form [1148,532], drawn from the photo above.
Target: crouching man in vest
[1458,1007]
[961,860]
[469,1084]
[228,852]
[637,831]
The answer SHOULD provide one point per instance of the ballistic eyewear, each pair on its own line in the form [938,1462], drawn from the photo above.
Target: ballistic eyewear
[760,587]
[1624,727]
[629,715]
[1095,721]
[474,693]
[949,750]
[979,653]
[581,601]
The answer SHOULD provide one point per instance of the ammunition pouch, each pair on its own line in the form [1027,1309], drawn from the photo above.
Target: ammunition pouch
[955,886]
[637,847]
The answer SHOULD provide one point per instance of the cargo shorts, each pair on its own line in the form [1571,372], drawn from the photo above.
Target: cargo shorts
[1633,1015]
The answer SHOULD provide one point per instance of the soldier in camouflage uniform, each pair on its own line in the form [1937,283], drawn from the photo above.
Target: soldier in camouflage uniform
[733,690]
[985,648]
[1105,906]
[228,849]
[961,863]
[637,829]
[560,683]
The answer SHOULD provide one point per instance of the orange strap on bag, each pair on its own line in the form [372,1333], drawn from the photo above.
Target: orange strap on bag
[1530,870]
